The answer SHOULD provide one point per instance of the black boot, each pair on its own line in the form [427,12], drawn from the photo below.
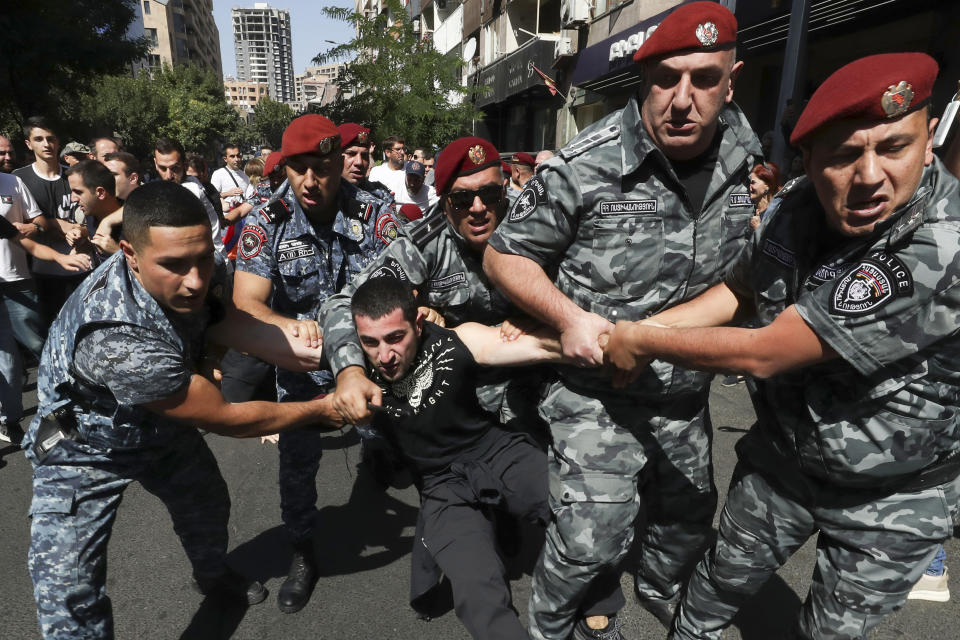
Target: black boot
[296,589]
[231,586]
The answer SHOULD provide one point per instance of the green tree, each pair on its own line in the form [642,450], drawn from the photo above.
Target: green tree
[270,118]
[182,102]
[397,83]
[51,50]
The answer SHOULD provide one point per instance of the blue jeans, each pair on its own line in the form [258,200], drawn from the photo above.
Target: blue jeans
[937,567]
[20,299]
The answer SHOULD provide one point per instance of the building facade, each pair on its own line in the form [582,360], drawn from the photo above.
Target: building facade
[264,50]
[317,85]
[181,32]
[586,47]
[244,96]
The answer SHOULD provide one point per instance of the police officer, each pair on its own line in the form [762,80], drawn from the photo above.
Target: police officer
[120,400]
[852,280]
[305,244]
[355,141]
[641,211]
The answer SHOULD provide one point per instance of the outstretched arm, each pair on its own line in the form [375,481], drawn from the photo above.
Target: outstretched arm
[489,349]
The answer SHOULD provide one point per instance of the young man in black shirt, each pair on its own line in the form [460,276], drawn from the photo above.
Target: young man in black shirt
[465,465]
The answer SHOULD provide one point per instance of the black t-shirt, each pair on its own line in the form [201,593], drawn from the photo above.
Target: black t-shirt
[444,421]
[695,174]
[52,196]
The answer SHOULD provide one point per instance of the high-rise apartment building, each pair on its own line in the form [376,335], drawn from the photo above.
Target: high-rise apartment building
[180,32]
[261,41]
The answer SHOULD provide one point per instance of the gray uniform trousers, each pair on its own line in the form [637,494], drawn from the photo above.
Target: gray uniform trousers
[613,455]
[870,552]
[77,490]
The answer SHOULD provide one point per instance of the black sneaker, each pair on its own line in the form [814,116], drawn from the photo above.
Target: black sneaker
[9,433]
[232,586]
[610,632]
[732,381]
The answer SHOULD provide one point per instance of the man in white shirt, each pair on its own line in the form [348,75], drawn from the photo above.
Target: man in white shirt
[20,319]
[414,190]
[169,159]
[391,173]
[230,180]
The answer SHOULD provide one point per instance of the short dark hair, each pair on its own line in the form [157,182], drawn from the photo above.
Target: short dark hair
[392,140]
[93,143]
[197,163]
[94,174]
[130,162]
[167,145]
[380,296]
[36,122]
[160,204]
[230,145]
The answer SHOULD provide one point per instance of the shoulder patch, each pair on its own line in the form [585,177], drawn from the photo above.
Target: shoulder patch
[427,229]
[391,268]
[534,194]
[870,285]
[576,147]
[99,285]
[275,211]
[909,221]
[251,242]
[360,210]
[387,229]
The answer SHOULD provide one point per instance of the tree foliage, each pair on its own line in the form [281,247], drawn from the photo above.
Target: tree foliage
[396,83]
[50,50]
[185,103]
[270,118]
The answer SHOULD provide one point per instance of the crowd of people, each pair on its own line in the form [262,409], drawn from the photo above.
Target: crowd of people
[532,337]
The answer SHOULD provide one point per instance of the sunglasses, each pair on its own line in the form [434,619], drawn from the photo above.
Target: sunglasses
[489,195]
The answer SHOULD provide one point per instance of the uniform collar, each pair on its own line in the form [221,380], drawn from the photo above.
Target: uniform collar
[738,139]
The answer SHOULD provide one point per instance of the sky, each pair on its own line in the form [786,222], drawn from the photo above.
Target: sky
[309,28]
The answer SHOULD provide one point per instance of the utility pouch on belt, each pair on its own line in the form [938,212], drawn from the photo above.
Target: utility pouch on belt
[59,425]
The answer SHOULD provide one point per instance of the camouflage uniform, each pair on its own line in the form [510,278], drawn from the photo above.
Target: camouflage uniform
[610,221]
[448,277]
[838,445]
[111,349]
[306,265]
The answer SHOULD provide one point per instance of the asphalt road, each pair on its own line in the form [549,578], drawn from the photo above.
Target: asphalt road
[364,542]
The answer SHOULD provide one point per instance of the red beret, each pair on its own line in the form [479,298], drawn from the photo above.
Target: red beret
[311,133]
[523,158]
[463,157]
[271,162]
[695,26]
[877,87]
[351,133]
[506,169]
[411,211]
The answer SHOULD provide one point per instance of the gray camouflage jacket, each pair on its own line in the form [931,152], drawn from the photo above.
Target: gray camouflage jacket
[436,262]
[889,304]
[611,223]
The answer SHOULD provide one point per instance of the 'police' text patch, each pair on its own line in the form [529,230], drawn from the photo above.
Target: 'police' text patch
[779,253]
[391,269]
[626,207]
[870,285]
[251,241]
[534,193]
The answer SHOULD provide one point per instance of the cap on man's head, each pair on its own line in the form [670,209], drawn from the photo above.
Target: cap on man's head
[876,88]
[75,148]
[523,158]
[351,133]
[697,26]
[462,157]
[311,133]
[414,167]
[411,211]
